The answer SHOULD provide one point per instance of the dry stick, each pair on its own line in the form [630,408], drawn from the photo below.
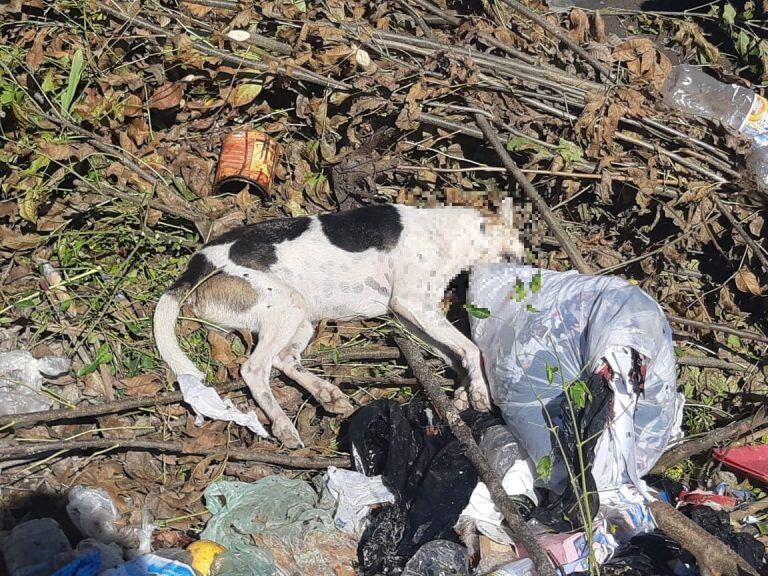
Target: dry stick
[757,250]
[700,362]
[18,450]
[698,445]
[45,416]
[461,431]
[560,35]
[558,231]
[289,70]
[744,334]
[714,557]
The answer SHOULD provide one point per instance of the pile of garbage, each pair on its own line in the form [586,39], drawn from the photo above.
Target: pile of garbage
[583,372]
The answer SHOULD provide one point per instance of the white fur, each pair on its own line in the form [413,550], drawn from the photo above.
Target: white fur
[313,280]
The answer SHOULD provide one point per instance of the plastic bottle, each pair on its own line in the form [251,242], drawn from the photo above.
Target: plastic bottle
[695,92]
[36,548]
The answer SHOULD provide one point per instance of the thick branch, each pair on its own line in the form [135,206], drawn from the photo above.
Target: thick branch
[432,386]
[17,450]
[704,443]
[713,557]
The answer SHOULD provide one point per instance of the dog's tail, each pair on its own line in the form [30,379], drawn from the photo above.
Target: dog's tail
[507,212]
[166,315]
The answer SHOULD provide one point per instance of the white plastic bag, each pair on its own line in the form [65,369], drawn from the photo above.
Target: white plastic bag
[547,329]
[21,381]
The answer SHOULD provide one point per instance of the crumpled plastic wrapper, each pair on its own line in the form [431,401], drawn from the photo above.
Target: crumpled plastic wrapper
[206,402]
[21,381]
[356,493]
[94,513]
[277,527]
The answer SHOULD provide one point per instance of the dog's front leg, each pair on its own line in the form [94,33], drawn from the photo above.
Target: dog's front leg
[436,326]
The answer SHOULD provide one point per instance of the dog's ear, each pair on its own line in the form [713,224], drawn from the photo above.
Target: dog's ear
[507,211]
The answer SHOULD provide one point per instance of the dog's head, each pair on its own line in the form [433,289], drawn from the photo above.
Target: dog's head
[499,238]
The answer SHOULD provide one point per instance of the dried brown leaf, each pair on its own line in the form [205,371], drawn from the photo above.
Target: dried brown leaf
[221,349]
[142,385]
[36,55]
[600,34]
[748,283]
[167,96]
[579,26]
[14,240]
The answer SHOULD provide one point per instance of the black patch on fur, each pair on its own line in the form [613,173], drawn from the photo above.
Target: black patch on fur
[254,245]
[358,230]
[198,268]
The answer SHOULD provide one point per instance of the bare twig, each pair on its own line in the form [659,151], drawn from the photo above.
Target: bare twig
[700,362]
[560,35]
[712,326]
[18,450]
[520,529]
[288,70]
[46,416]
[698,445]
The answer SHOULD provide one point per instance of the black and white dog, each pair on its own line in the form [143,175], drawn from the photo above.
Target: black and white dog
[278,278]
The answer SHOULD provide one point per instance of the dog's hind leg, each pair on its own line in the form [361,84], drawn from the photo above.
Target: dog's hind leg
[288,362]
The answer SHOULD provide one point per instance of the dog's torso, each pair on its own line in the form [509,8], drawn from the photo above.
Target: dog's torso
[346,265]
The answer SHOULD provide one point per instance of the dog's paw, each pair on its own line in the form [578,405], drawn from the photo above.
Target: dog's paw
[479,396]
[461,400]
[287,434]
[334,400]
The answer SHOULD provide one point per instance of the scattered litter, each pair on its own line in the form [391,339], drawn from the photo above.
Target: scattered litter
[151,565]
[36,548]
[204,552]
[355,493]
[274,526]
[21,381]
[248,157]
[609,346]
[707,498]
[522,567]
[438,558]
[739,108]
[424,467]
[751,460]
[206,402]
[85,565]
[94,513]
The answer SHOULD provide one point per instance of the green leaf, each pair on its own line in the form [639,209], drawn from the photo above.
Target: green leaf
[551,371]
[734,341]
[103,355]
[520,143]
[245,94]
[679,352]
[49,82]
[569,150]
[75,72]
[536,283]
[578,393]
[531,309]
[544,468]
[519,290]
[742,43]
[477,312]
[729,14]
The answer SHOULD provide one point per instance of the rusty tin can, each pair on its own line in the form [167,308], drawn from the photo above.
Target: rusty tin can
[247,156]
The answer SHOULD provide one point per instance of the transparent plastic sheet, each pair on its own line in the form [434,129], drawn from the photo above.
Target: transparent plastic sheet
[21,381]
[276,526]
[548,329]
[355,494]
